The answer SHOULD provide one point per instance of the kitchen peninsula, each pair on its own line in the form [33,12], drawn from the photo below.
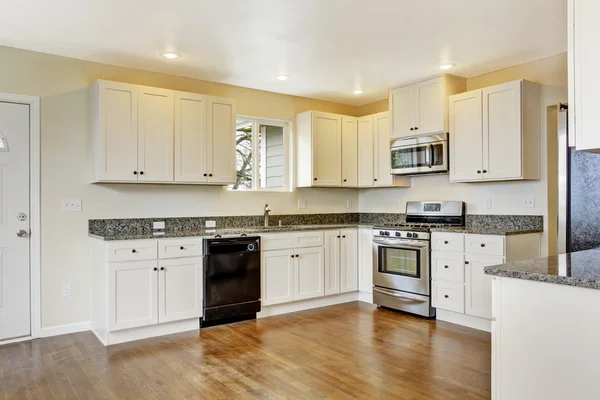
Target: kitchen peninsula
[545,327]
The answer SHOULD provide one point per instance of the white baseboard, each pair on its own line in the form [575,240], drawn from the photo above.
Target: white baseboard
[365,297]
[481,324]
[146,332]
[16,340]
[278,309]
[57,330]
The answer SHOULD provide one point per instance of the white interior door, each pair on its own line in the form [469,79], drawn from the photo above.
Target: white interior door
[14,201]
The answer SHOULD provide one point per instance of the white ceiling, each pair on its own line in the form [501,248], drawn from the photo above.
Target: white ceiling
[328,47]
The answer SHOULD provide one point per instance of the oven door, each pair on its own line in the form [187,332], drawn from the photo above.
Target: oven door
[419,158]
[401,264]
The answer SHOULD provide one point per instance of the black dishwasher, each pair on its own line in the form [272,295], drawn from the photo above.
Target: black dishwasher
[231,279]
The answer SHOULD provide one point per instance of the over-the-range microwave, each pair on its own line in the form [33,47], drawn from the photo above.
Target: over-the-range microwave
[427,154]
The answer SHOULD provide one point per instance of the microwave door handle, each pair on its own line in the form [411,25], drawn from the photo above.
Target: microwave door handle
[428,155]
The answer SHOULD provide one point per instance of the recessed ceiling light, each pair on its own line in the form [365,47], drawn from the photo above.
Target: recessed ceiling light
[446,66]
[171,55]
[283,77]
[358,91]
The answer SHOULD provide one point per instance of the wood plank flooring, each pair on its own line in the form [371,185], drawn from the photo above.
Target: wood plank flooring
[350,351]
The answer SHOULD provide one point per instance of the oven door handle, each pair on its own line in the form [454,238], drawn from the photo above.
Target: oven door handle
[392,293]
[403,244]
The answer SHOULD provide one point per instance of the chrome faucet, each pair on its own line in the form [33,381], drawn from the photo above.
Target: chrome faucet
[267,211]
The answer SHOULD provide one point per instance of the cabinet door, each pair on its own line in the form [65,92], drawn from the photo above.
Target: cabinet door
[502,132]
[478,285]
[366,152]
[156,110]
[221,146]
[466,137]
[277,276]
[349,151]
[327,149]
[179,289]
[190,138]
[332,262]
[309,273]
[365,256]
[402,109]
[429,106]
[349,260]
[117,141]
[132,294]
[383,154]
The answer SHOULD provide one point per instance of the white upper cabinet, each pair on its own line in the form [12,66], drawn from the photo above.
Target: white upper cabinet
[494,133]
[155,135]
[146,134]
[349,151]
[422,107]
[190,138]
[584,83]
[366,154]
[114,131]
[221,145]
[383,155]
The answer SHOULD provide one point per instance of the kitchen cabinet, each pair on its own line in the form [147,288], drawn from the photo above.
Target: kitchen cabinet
[319,149]
[349,151]
[132,294]
[341,261]
[461,291]
[180,289]
[494,133]
[277,276]
[365,261]
[584,83]
[422,107]
[309,273]
[153,135]
[366,155]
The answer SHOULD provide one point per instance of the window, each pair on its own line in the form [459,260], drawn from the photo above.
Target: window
[262,148]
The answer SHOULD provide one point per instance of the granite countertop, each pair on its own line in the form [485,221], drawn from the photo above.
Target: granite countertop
[581,269]
[482,230]
[140,234]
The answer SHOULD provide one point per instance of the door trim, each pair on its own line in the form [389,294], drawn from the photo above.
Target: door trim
[34,203]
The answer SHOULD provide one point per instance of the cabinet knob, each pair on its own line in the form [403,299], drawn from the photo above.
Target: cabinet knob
[297,255]
[445,266]
[416,128]
[375,179]
[315,179]
[141,172]
[156,269]
[466,262]
[445,242]
[182,248]
[482,244]
[478,171]
[338,236]
[343,236]
[205,174]
[446,296]
[135,172]
[162,268]
[292,256]
[345,180]
[133,250]
[412,129]
[485,171]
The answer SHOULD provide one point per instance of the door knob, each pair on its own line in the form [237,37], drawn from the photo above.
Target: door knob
[22,233]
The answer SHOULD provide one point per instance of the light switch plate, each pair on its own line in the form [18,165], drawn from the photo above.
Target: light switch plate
[302,203]
[210,224]
[348,204]
[66,289]
[529,202]
[158,225]
[488,203]
[71,205]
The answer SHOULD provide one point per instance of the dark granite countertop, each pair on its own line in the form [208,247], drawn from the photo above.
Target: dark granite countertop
[140,234]
[482,230]
[581,269]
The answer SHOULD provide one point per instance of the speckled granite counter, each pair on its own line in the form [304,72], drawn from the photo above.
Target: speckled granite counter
[175,233]
[581,269]
[492,230]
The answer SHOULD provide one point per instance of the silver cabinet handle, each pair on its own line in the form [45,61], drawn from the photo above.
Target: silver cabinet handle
[401,296]
[22,233]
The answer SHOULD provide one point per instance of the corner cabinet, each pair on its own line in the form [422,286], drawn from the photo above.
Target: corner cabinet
[422,107]
[153,135]
[494,133]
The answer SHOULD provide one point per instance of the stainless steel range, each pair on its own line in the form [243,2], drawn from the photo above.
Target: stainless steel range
[401,253]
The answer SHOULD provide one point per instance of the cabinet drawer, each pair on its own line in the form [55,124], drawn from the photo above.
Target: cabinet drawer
[448,266]
[176,248]
[291,240]
[484,244]
[447,241]
[448,296]
[135,250]
[310,239]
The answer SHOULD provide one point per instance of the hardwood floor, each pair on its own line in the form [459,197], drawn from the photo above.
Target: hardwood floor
[350,351]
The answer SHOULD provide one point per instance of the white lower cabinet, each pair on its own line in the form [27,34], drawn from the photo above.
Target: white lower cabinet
[309,273]
[341,261]
[277,276]
[448,296]
[132,294]
[332,262]
[365,260]
[180,289]
[478,285]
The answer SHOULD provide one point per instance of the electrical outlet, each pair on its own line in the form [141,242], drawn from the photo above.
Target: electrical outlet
[158,225]
[348,204]
[302,203]
[488,203]
[71,205]
[66,289]
[211,224]
[529,202]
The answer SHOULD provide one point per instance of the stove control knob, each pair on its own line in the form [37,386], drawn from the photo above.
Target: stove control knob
[415,235]
[398,234]
[409,234]
[381,233]
[387,233]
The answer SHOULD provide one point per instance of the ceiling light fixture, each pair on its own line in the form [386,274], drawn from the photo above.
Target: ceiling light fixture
[446,66]
[358,91]
[283,77]
[171,55]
